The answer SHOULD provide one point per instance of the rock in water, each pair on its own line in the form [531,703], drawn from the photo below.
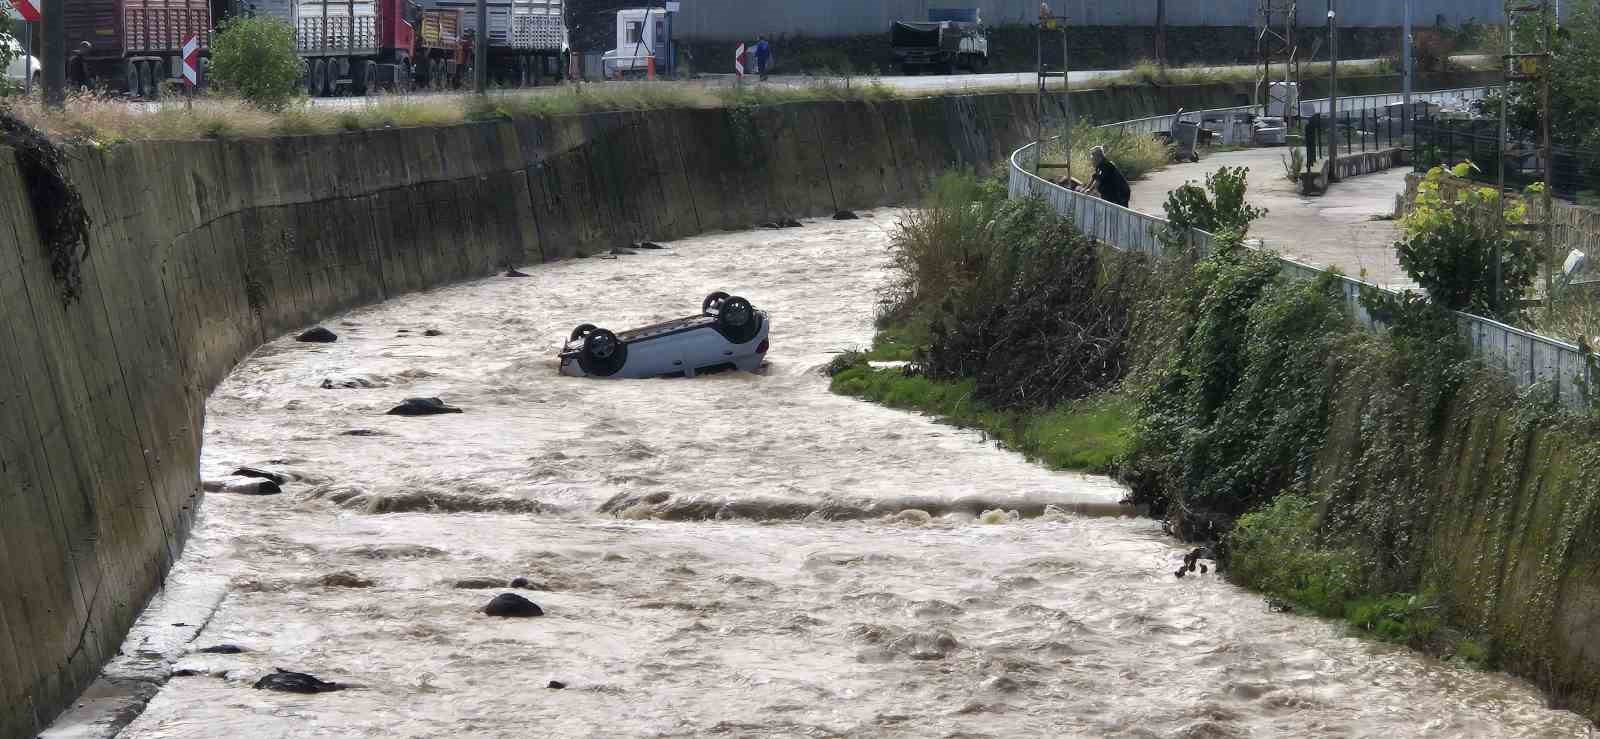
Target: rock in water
[422,407]
[788,222]
[242,486]
[318,335]
[285,681]
[433,332]
[515,273]
[844,215]
[277,477]
[511,605]
[619,251]
[773,225]
[556,685]
[648,245]
[223,649]
[479,583]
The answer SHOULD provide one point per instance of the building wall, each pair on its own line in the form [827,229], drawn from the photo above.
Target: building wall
[744,19]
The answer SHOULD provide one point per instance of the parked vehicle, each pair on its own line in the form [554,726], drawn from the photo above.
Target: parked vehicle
[727,334]
[951,39]
[131,45]
[642,35]
[357,46]
[17,70]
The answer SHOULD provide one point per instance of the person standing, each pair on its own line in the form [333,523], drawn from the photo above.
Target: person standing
[1113,187]
[763,57]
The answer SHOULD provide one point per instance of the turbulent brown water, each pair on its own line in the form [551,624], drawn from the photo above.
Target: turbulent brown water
[728,555]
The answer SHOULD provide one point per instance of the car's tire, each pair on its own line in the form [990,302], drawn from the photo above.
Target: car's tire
[737,320]
[603,353]
[712,301]
[582,329]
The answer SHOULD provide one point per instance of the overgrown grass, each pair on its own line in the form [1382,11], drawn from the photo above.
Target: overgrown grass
[111,120]
[1574,318]
[1135,154]
[1090,435]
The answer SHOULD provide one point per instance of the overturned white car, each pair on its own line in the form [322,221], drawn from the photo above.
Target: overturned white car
[727,334]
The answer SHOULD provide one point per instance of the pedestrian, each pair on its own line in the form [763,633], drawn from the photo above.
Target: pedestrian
[763,57]
[1108,179]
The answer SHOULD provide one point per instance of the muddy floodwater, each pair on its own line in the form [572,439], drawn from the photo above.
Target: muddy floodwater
[732,555]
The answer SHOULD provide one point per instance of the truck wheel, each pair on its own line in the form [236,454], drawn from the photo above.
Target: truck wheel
[313,79]
[714,300]
[330,78]
[603,354]
[147,78]
[580,331]
[360,75]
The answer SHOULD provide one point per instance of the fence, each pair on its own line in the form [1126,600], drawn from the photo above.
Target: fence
[1448,141]
[1225,121]
[1527,357]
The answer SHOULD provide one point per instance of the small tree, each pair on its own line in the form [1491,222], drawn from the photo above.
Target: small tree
[1449,242]
[1216,208]
[254,57]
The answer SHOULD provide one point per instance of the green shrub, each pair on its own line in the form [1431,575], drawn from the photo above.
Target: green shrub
[1449,241]
[254,57]
[938,248]
[1219,206]
[1276,550]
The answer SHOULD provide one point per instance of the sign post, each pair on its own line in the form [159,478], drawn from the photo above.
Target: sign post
[738,63]
[191,66]
[29,12]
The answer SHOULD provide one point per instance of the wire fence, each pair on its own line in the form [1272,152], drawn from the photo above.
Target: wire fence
[1574,173]
[1526,357]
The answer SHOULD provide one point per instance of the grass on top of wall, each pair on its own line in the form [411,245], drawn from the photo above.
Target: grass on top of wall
[106,120]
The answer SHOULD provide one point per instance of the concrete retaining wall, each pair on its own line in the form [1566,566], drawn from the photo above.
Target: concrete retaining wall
[201,250]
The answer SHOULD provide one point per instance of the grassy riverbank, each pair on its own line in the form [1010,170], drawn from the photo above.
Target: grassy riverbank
[1385,479]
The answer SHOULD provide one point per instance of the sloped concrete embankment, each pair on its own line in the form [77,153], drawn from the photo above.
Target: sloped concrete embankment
[199,251]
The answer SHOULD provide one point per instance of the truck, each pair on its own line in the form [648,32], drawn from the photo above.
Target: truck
[951,39]
[131,45]
[357,46]
[642,35]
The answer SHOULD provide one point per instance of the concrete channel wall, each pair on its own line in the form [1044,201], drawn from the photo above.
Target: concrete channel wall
[201,250]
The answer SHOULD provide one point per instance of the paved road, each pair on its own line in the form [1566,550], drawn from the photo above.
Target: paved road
[1345,228]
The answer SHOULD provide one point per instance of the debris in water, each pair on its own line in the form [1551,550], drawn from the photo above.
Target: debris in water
[433,332]
[354,383]
[318,335]
[556,685]
[223,649]
[285,681]
[526,584]
[514,273]
[422,407]
[621,252]
[511,605]
[241,486]
[844,215]
[363,432]
[772,225]
[479,583]
[788,222]
[999,515]
[648,245]
[345,579]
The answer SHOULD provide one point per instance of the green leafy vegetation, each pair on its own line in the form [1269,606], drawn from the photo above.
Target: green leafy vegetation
[1450,240]
[254,57]
[1218,208]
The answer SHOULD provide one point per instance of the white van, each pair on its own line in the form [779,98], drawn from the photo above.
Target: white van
[16,70]
[641,35]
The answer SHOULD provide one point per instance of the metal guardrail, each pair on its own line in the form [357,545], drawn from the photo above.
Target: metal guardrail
[1527,357]
[1444,98]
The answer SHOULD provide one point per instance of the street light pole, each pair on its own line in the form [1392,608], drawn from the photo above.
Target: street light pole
[1333,92]
[1405,55]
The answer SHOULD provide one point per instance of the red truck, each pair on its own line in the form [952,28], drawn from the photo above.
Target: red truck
[130,45]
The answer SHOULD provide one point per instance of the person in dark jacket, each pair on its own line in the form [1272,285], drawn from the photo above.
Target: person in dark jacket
[763,57]
[1108,179]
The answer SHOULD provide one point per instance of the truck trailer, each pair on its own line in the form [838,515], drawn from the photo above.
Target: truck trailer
[131,45]
[951,39]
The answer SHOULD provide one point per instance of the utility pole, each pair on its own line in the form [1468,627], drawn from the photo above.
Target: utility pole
[1333,92]
[480,50]
[1405,55]
[55,54]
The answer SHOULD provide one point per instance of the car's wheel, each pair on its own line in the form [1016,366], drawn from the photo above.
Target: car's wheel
[737,320]
[582,329]
[712,301]
[603,353]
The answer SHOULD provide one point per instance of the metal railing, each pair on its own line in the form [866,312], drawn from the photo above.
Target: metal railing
[1527,357]
[1348,107]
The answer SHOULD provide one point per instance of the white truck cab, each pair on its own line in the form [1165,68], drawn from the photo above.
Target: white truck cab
[641,35]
